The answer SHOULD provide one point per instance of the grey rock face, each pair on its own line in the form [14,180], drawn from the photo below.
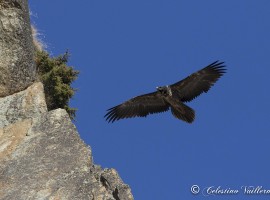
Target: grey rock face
[111,181]
[16,47]
[29,103]
[43,157]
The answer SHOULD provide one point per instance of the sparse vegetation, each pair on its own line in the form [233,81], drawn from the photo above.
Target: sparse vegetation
[56,77]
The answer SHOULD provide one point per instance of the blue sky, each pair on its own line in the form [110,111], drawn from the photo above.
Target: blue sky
[126,48]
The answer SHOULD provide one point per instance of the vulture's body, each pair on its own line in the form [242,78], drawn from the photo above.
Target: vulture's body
[170,96]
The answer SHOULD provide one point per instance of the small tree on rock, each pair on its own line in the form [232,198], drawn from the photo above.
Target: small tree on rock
[57,78]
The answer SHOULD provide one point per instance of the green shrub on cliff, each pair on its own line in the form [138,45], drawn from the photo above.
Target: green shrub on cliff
[56,77]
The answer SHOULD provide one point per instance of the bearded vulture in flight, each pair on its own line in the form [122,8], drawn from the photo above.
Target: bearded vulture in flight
[170,96]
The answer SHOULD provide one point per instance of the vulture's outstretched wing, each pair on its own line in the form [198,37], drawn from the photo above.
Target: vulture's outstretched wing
[199,82]
[139,106]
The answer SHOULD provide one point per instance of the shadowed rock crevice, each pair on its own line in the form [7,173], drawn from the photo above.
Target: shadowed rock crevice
[115,194]
[10,4]
[104,182]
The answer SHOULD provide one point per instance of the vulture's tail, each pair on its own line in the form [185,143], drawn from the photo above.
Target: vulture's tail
[183,112]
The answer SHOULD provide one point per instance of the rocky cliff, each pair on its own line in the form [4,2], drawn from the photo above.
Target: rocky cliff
[43,157]
[41,153]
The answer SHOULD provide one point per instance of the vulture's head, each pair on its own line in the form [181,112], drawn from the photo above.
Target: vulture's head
[161,89]
[165,90]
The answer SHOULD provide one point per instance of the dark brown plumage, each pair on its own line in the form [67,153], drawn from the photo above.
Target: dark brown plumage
[170,96]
